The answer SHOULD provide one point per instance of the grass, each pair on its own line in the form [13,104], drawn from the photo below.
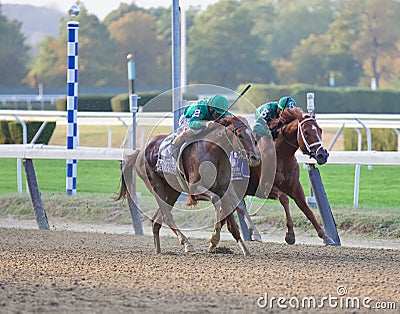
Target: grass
[379,187]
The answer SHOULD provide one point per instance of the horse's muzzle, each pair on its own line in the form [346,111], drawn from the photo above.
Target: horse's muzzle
[254,160]
[322,157]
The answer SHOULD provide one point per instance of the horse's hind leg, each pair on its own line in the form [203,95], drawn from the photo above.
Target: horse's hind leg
[234,230]
[156,224]
[166,198]
[290,237]
[242,210]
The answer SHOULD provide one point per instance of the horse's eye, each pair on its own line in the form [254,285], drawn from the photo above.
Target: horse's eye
[306,134]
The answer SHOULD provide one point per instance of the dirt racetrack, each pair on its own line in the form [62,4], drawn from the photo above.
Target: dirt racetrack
[82,272]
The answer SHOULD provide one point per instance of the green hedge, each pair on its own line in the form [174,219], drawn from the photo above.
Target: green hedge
[150,102]
[11,132]
[327,99]
[5,137]
[88,103]
[381,139]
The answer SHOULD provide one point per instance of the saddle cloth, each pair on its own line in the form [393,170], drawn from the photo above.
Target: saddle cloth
[166,163]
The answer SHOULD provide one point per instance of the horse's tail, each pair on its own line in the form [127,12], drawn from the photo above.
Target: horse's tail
[127,174]
[191,201]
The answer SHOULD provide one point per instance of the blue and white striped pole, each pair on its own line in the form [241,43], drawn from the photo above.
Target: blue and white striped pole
[72,100]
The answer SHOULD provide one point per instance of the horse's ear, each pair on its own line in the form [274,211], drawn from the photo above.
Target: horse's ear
[312,115]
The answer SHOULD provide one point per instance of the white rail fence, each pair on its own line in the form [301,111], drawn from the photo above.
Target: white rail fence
[340,121]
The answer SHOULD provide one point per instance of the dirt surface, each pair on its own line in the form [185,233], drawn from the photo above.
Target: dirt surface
[90,272]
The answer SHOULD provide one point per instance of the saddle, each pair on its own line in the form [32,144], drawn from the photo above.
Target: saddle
[167,164]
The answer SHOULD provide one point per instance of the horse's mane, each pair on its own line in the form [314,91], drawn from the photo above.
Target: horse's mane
[288,116]
[228,119]
[225,120]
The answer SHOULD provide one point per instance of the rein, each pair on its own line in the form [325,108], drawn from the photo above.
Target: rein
[307,145]
[235,128]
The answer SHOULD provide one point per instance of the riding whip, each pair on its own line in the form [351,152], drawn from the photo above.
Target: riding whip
[241,94]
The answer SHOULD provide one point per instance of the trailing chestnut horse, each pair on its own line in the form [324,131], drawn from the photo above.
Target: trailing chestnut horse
[295,130]
[206,170]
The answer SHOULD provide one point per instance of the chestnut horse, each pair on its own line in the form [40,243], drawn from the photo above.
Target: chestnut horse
[295,130]
[206,170]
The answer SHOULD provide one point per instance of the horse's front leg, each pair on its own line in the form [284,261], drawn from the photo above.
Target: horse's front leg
[300,199]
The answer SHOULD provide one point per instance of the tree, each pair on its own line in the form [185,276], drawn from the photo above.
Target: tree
[135,32]
[376,44]
[49,67]
[96,55]
[339,40]
[294,21]
[221,48]
[13,52]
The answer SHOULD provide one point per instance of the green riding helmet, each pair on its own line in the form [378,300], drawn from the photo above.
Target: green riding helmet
[286,102]
[219,103]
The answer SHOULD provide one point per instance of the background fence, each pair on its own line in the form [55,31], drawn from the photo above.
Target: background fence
[106,119]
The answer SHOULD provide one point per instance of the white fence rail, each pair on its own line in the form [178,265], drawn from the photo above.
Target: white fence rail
[92,153]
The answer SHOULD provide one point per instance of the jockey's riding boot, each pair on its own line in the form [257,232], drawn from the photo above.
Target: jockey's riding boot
[178,141]
[176,145]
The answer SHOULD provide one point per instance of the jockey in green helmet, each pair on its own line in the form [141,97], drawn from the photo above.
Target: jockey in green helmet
[271,110]
[197,116]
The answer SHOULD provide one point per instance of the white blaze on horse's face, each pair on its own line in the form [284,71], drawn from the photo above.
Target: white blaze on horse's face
[319,152]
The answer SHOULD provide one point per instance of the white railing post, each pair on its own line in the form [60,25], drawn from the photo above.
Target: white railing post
[369,141]
[357,171]
[398,138]
[19,161]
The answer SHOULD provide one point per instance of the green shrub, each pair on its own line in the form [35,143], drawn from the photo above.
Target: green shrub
[16,134]
[327,99]
[150,102]
[5,137]
[381,139]
[88,103]
[120,103]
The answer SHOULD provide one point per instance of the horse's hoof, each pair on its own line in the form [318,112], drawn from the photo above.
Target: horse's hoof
[214,240]
[212,248]
[189,248]
[330,242]
[244,248]
[290,239]
[256,237]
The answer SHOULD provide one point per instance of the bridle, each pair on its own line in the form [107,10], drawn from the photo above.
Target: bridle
[242,151]
[311,153]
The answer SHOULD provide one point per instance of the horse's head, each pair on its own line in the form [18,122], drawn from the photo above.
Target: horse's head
[242,132]
[306,135]
[310,139]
